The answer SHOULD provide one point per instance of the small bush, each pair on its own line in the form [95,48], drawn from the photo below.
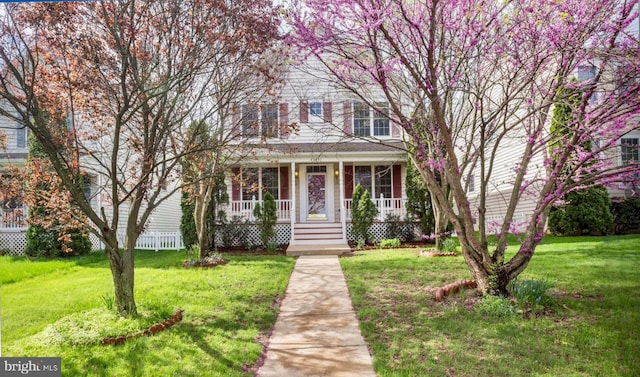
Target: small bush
[496,306]
[389,243]
[448,245]
[266,218]
[585,210]
[363,213]
[532,294]
[626,215]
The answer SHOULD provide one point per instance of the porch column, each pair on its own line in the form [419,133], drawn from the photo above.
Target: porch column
[292,212]
[343,210]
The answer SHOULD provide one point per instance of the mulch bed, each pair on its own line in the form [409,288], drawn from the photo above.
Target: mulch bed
[453,288]
[152,330]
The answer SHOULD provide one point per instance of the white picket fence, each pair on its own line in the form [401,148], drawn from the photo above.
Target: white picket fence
[13,241]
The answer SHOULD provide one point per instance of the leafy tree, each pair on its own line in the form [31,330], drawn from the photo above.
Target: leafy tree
[363,213]
[125,79]
[480,79]
[266,218]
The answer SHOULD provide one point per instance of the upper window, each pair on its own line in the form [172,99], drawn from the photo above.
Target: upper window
[371,122]
[315,109]
[21,137]
[629,150]
[260,120]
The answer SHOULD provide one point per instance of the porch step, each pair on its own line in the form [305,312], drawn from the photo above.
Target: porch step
[317,239]
[335,249]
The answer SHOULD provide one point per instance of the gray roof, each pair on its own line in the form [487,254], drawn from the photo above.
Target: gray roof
[343,147]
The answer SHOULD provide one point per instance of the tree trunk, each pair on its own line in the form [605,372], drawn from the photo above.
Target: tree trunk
[492,279]
[440,226]
[122,272]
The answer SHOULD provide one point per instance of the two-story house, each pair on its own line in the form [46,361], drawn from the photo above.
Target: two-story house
[337,141]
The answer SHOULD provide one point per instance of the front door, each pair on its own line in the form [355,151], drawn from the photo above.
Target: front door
[316,192]
[316,196]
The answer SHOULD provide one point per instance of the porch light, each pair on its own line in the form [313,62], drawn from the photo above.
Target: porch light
[297,174]
[337,172]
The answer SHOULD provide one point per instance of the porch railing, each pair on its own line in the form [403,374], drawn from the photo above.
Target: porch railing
[385,206]
[245,209]
[15,218]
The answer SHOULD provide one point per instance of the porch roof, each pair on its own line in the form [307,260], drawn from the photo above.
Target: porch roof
[340,147]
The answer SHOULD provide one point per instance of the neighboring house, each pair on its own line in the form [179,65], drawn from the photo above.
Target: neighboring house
[338,141]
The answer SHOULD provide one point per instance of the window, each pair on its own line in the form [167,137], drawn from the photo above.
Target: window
[367,121]
[315,109]
[383,181]
[250,185]
[471,185]
[362,177]
[375,179]
[256,181]
[269,121]
[586,72]
[21,137]
[249,120]
[260,120]
[270,181]
[629,150]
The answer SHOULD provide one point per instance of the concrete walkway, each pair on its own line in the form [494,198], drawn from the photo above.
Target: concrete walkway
[317,333]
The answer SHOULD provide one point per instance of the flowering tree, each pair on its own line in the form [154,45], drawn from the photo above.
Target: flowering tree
[125,79]
[473,84]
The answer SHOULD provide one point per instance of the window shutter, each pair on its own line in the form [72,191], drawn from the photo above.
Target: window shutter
[348,181]
[326,111]
[304,112]
[284,182]
[347,115]
[397,181]
[284,120]
[235,184]
[395,130]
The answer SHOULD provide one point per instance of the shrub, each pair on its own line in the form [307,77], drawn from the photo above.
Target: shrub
[363,212]
[448,245]
[586,209]
[389,243]
[266,218]
[45,243]
[187,222]
[626,215]
[496,306]
[418,200]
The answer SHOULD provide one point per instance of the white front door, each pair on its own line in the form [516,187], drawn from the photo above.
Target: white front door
[317,193]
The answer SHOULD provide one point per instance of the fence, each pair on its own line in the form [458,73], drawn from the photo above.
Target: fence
[14,241]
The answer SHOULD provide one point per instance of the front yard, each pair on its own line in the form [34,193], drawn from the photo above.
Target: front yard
[593,331]
[226,309]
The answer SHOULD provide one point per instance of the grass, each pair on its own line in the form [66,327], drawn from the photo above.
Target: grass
[57,308]
[593,331]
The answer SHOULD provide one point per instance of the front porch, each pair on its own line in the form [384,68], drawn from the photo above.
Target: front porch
[315,198]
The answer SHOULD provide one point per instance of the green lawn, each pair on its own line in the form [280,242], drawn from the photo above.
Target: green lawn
[226,310]
[595,330]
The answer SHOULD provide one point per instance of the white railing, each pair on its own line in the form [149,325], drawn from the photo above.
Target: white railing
[159,241]
[245,209]
[13,218]
[385,206]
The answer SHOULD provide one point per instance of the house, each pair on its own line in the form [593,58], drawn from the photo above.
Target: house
[338,141]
